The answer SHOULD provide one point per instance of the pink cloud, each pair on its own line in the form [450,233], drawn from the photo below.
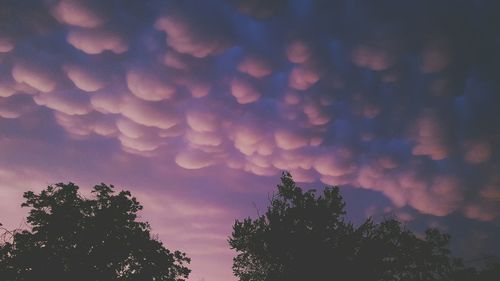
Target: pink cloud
[36,76]
[293,160]
[83,78]
[303,77]
[298,51]
[373,58]
[430,136]
[15,106]
[96,41]
[201,121]
[249,140]
[315,114]
[289,140]
[203,138]
[477,151]
[140,144]
[194,159]
[335,163]
[148,114]
[68,102]
[255,67]
[479,212]
[435,56]
[131,129]
[107,102]
[82,126]
[186,38]
[7,89]
[78,13]
[149,86]
[442,198]
[6,45]
[244,91]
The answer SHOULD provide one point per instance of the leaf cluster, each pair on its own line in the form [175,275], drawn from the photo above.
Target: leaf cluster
[75,238]
[304,236]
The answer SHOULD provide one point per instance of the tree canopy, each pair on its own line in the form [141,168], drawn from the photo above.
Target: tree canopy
[98,239]
[303,236]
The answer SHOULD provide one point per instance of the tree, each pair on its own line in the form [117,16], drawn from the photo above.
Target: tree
[490,273]
[99,239]
[307,237]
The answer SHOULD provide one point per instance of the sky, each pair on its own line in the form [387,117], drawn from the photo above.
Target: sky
[198,106]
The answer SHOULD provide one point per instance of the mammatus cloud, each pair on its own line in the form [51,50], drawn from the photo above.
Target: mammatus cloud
[258,113]
[97,41]
[194,34]
[34,76]
[78,13]
[6,45]
[83,78]
[255,67]
[404,108]
[244,91]
[148,86]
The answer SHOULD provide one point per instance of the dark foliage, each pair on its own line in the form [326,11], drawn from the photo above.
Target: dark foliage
[74,238]
[307,237]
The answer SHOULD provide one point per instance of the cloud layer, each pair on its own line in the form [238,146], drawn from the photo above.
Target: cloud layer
[400,99]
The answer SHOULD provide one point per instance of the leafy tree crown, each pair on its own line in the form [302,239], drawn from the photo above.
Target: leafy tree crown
[305,236]
[98,239]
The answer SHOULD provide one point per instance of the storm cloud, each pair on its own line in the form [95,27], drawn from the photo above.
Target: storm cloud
[400,98]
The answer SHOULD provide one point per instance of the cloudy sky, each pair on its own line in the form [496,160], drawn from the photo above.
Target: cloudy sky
[197,106]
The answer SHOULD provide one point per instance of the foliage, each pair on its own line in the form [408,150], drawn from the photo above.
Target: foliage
[74,238]
[307,237]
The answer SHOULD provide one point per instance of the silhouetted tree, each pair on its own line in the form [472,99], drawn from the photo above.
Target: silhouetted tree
[307,237]
[74,238]
[490,273]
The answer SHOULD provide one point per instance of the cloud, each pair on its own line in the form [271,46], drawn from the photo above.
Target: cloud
[34,75]
[203,138]
[68,102]
[96,41]
[78,13]
[82,126]
[442,198]
[7,89]
[258,8]
[130,129]
[149,86]
[6,45]
[315,114]
[249,140]
[255,67]
[244,91]
[477,151]
[298,51]
[194,159]
[15,106]
[431,136]
[148,114]
[289,140]
[196,36]
[84,78]
[374,58]
[303,77]
[189,90]
[140,144]
[336,162]
[201,121]
[435,56]
[107,102]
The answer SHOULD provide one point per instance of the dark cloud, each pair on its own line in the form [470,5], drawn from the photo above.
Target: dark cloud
[397,98]
[260,9]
